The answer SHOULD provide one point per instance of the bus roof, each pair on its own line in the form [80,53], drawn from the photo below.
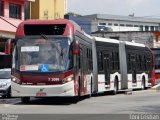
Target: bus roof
[117,41]
[106,40]
[70,27]
[134,44]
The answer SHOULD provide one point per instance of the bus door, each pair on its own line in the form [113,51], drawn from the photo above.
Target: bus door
[81,82]
[133,62]
[106,59]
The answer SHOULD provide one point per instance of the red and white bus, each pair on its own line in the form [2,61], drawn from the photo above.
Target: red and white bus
[51,58]
[56,58]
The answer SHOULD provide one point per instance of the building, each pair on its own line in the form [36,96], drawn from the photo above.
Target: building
[144,37]
[105,22]
[85,23]
[125,28]
[11,14]
[47,9]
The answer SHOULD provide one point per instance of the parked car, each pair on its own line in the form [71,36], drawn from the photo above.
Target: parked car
[5,82]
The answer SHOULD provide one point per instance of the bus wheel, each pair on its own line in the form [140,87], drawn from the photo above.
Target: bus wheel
[25,99]
[143,84]
[9,93]
[115,90]
[4,96]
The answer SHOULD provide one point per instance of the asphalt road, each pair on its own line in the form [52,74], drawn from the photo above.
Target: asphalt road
[98,107]
[147,101]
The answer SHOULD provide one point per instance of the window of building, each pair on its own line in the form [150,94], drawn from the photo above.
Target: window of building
[152,28]
[141,27]
[122,25]
[115,24]
[117,38]
[102,23]
[156,28]
[146,28]
[129,25]
[109,24]
[27,10]
[135,25]
[14,11]
[1,8]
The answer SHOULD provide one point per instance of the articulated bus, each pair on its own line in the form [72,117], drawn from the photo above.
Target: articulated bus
[156,53]
[57,58]
[121,65]
[51,58]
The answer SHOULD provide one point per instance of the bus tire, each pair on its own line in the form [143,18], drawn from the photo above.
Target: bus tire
[9,93]
[143,87]
[25,99]
[115,90]
[4,96]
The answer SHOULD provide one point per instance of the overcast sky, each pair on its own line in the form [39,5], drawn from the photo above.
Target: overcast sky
[141,8]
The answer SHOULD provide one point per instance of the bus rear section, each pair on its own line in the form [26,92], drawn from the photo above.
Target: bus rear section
[50,61]
[156,53]
[120,65]
[139,65]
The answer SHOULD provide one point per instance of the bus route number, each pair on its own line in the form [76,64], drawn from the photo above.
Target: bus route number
[53,79]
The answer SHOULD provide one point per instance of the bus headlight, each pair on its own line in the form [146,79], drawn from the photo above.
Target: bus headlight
[68,79]
[16,80]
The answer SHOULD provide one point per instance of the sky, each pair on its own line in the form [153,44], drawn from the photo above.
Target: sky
[140,8]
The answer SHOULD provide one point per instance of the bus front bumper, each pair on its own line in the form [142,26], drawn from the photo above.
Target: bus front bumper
[42,90]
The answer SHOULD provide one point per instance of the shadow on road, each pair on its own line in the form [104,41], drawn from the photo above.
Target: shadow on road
[61,100]
[108,93]
[52,101]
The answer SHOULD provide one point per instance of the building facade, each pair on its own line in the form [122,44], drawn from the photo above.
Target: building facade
[127,28]
[85,23]
[144,37]
[11,15]
[47,9]
[105,22]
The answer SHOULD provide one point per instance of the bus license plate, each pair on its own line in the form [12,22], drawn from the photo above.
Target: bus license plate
[39,94]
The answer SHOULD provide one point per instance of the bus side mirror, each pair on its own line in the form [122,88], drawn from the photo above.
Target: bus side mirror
[76,48]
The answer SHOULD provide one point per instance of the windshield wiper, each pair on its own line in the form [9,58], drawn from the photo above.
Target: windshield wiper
[44,37]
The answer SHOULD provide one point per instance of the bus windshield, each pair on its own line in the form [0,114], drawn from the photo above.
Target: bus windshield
[44,55]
